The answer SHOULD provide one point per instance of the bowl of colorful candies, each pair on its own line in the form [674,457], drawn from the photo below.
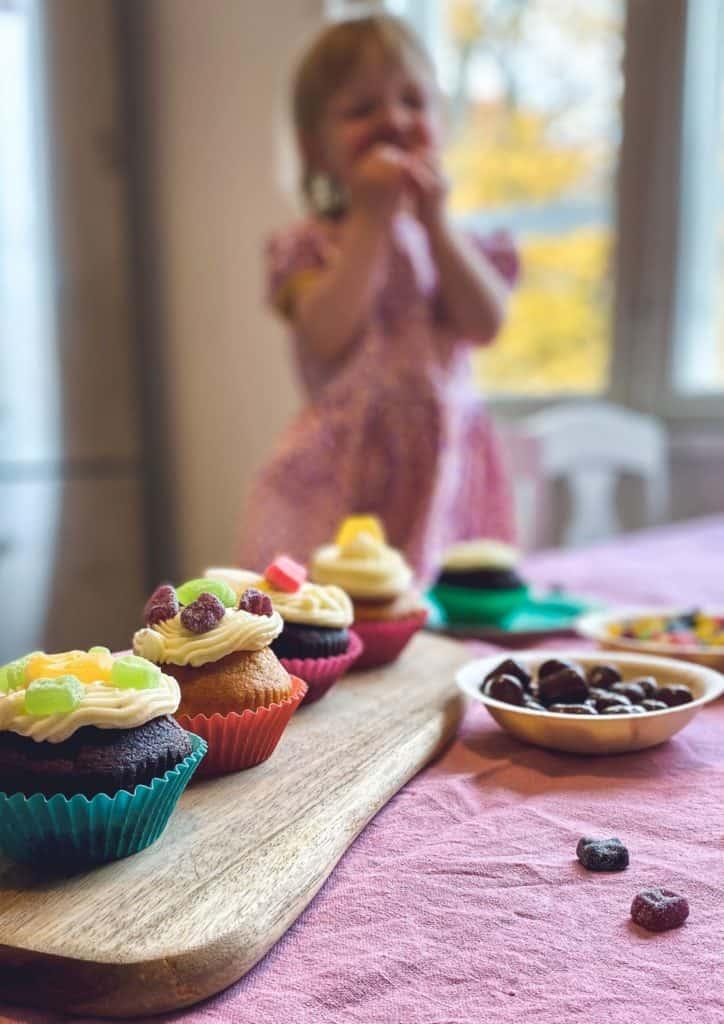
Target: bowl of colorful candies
[694,634]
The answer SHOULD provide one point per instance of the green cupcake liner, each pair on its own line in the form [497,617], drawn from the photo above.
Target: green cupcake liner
[461,604]
[71,833]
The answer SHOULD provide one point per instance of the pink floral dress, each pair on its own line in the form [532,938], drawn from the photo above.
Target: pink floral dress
[394,427]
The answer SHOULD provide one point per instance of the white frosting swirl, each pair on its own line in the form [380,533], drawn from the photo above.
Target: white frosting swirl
[366,568]
[170,642]
[480,554]
[312,605]
[102,705]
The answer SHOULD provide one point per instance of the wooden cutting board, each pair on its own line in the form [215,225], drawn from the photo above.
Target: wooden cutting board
[241,858]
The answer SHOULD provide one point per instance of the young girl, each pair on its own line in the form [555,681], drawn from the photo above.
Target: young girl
[384,299]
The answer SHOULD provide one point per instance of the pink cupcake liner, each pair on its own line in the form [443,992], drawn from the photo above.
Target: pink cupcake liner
[238,741]
[320,674]
[385,640]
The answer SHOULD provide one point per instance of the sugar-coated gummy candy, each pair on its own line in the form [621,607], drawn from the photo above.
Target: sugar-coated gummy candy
[285,574]
[354,525]
[658,909]
[53,696]
[203,614]
[130,672]
[188,592]
[13,675]
[602,854]
[87,666]
[256,603]
[99,650]
[161,605]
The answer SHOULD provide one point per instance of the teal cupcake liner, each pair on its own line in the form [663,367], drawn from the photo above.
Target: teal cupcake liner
[71,833]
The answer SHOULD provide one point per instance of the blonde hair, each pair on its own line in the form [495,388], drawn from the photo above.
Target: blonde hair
[334,56]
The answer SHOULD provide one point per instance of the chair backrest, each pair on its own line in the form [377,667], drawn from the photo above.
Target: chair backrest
[589,445]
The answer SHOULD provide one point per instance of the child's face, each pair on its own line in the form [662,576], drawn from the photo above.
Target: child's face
[379,103]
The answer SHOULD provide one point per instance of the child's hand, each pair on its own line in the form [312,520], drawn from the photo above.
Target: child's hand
[430,187]
[380,181]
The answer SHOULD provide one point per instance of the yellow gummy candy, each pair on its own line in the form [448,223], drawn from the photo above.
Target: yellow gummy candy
[354,525]
[87,667]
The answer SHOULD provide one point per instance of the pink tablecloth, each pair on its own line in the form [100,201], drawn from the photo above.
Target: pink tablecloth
[462,902]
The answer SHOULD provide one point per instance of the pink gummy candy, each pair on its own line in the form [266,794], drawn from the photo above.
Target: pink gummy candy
[285,574]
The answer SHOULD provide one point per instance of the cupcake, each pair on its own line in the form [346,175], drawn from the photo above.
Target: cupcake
[234,691]
[387,608]
[479,582]
[91,762]
[316,643]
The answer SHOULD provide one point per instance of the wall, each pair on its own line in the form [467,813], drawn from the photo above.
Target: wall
[216,88]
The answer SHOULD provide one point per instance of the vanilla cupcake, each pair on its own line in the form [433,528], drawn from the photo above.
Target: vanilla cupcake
[316,642]
[233,687]
[91,761]
[387,608]
[479,582]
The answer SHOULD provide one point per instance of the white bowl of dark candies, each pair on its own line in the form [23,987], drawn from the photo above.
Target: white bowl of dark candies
[602,702]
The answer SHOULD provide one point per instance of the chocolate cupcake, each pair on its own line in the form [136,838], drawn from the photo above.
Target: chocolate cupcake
[479,582]
[91,761]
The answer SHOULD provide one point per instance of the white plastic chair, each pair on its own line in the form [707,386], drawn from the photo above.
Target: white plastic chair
[589,446]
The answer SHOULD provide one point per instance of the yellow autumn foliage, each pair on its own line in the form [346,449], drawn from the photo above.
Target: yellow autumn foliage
[557,338]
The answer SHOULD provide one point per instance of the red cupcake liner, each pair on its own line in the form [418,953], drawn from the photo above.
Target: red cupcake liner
[385,640]
[238,741]
[320,674]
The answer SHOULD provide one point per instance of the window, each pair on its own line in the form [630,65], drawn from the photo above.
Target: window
[595,132]
[699,354]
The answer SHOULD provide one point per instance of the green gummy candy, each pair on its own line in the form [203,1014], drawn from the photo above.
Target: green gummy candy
[53,696]
[98,650]
[133,673]
[12,675]
[188,593]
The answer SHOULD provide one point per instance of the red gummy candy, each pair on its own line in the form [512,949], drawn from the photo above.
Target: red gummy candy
[658,909]
[161,605]
[205,612]
[285,574]
[256,603]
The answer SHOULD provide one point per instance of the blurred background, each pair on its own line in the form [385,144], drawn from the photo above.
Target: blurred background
[144,160]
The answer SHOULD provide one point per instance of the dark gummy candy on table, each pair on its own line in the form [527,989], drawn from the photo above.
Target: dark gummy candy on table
[510,667]
[658,909]
[602,854]
[651,704]
[161,605]
[633,691]
[673,695]
[505,688]
[202,614]
[572,709]
[603,676]
[564,687]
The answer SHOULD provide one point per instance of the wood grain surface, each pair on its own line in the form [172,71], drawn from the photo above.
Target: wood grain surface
[241,858]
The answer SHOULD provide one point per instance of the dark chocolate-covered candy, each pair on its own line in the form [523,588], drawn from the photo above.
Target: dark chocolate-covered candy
[572,709]
[510,667]
[647,683]
[633,691]
[533,704]
[651,704]
[566,686]
[624,709]
[673,695]
[603,676]
[611,700]
[553,665]
[508,689]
